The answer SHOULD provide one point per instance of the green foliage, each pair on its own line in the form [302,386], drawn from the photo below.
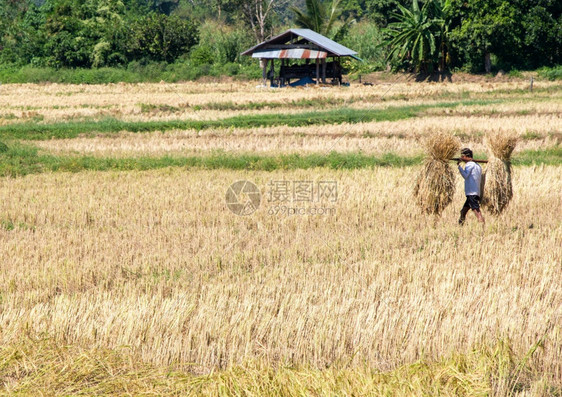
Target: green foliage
[202,55]
[157,35]
[84,34]
[366,38]
[29,74]
[373,11]
[226,42]
[418,36]
[22,38]
[322,17]
[542,42]
[136,72]
[222,11]
[381,11]
[161,38]
[515,73]
[91,33]
[554,73]
[520,34]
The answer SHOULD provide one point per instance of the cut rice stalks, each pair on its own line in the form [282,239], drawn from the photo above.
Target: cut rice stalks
[435,184]
[499,190]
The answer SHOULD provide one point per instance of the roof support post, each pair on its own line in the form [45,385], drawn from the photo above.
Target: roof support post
[323,70]
[263,64]
[317,71]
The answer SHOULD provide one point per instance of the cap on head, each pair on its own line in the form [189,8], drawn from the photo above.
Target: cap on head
[466,152]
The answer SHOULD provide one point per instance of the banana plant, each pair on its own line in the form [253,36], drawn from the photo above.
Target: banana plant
[418,35]
[322,18]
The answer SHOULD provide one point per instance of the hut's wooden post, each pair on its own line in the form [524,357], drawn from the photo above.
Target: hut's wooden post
[263,64]
[323,70]
[338,65]
[317,71]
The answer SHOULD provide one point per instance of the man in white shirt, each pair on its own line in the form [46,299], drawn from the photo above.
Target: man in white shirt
[472,174]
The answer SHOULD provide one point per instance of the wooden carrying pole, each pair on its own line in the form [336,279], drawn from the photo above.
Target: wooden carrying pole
[476,161]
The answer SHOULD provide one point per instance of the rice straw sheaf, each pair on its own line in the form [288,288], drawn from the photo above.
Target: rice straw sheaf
[499,190]
[435,184]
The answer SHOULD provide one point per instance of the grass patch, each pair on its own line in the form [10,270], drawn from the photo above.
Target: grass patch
[28,74]
[134,73]
[152,108]
[531,135]
[36,131]
[8,116]
[321,102]
[526,92]
[554,73]
[25,159]
[551,156]
[7,224]
[300,103]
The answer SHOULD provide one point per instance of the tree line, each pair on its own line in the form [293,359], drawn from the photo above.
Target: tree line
[413,35]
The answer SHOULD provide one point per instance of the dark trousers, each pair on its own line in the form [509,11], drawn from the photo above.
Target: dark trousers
[472,203]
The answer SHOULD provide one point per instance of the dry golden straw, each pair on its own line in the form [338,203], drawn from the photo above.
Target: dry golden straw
[435,184]
[499,190]
[143,282]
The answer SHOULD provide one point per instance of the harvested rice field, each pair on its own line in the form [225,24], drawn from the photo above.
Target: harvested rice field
[226,239]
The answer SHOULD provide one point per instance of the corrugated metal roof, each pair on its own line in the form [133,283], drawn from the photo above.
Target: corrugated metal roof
[330,46]
[292,53]
[324,42]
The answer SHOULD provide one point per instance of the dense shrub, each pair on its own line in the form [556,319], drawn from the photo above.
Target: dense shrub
[554,73]
[161,38]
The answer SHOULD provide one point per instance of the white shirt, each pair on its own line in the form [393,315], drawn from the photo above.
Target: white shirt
[472,173]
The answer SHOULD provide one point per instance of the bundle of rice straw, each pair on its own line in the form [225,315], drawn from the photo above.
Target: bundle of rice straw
[498,172]
[435,184]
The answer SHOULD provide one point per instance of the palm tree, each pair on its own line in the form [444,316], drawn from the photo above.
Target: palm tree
[442,10]
[322,18]
[418,34]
